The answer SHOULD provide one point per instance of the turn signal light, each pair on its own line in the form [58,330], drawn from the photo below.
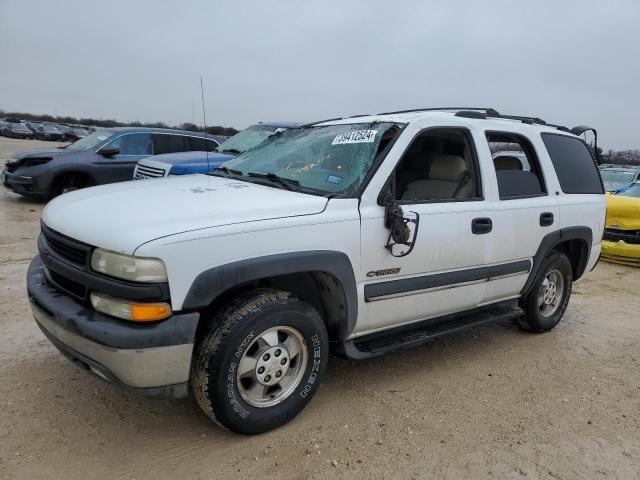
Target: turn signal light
[149,313]
[127,310]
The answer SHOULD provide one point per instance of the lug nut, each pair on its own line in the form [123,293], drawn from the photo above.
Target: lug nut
[278,374]
[266,357]
[261,370]
[277,353]
[283,361]
[267,378]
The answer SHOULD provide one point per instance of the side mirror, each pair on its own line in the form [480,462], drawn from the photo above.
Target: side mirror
[109,151]
[403,227]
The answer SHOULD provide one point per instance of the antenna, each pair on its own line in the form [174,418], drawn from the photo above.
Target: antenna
[204,119]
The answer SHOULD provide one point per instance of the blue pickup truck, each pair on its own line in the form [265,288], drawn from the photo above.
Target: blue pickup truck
[188,163]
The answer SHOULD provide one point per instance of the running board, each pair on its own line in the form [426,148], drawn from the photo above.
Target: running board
[409,336]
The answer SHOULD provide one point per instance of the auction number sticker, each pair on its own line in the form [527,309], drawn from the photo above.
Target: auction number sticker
[357,136]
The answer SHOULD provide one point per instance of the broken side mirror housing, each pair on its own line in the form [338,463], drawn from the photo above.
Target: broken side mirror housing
[403,226]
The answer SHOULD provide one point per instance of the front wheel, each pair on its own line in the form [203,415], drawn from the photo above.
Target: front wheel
[260,361]
[68,183]
[548,298]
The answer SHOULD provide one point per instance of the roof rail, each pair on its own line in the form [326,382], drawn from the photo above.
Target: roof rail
[467,112]
[520,118]
[437,109]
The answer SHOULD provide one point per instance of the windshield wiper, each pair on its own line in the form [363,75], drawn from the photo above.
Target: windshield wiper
[285,182]
[227,171]
[230,150]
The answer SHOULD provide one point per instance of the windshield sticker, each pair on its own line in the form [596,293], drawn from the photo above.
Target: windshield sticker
[358,136]
[335,179]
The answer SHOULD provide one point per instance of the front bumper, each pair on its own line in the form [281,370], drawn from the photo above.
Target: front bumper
[621,252]
[153,359]
[21,184]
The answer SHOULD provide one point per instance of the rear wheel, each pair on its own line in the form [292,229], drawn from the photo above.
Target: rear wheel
[548,298]
[260,361]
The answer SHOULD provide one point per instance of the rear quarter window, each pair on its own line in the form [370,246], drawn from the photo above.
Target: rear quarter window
[577,171]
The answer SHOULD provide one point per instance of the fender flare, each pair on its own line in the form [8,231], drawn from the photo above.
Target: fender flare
[550,241]
[211,283]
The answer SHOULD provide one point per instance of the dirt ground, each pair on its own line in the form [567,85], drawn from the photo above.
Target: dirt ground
[492,402]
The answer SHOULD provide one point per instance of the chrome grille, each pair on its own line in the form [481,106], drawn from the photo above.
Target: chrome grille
[144,171]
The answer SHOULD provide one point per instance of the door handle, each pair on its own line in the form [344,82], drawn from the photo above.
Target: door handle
[481,225]
[546,219]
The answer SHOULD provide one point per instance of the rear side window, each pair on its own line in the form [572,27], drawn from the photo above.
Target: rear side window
[202,145]
[164,143]
[576,169]
[517,168]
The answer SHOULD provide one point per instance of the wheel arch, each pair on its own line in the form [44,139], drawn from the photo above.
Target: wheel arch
[325,279]
[68,173]
[575,242]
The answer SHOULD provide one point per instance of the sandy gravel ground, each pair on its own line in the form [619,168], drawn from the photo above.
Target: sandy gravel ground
[490,403]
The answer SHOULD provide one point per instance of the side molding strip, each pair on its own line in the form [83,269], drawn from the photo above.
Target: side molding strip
[439,281]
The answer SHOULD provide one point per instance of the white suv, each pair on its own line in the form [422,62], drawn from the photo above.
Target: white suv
[369,233]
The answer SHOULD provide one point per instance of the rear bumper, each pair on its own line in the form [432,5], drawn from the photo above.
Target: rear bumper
[152,359]
[621,252]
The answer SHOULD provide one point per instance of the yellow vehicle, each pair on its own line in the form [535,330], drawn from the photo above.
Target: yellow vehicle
[621,240]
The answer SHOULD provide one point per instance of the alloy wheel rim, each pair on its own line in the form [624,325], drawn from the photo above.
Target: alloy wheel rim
[550,293]
[272,366]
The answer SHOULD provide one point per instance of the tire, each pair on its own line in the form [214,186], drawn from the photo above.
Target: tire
[68,183]
[548,298]
[256,402]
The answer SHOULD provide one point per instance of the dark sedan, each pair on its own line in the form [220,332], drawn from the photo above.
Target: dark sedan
[17,130]
[105,156]
[47,132]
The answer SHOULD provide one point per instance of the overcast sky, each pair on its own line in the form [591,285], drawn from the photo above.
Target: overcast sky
[569,62]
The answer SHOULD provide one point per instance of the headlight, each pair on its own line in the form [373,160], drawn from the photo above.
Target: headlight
[128,310]
[126,267]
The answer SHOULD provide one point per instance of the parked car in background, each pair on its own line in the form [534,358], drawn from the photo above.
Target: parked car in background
[17,130]
[33,125]
[621,240]
[615,177]
[48,132]
[105,156]
[64,129]
[76,133]
[189,163]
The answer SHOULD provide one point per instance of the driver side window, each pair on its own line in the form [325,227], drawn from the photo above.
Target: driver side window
[438,166]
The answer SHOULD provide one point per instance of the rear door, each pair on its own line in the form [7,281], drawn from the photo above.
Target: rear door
[523,205]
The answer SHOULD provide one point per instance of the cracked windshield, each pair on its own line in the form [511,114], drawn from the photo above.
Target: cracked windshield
[327,159]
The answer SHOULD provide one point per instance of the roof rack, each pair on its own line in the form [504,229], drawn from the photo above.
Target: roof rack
[491,113]
[442,109]
[430,109]
[466,112]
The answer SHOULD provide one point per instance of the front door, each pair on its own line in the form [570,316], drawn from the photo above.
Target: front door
[438,180]
[133,147]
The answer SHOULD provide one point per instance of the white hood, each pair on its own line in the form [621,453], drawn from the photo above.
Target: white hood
[123,216]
